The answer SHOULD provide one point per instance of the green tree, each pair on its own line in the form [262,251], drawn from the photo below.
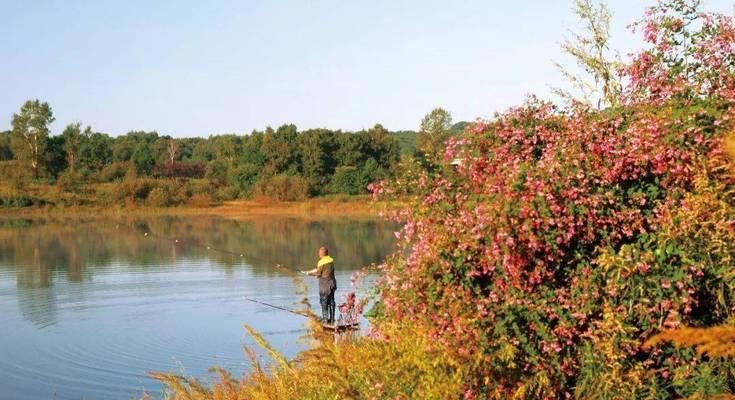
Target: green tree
[280,149]
[381,146]
[73,137]
[216,174]
[406,141]
[346,180]
[95,150]
[186,148]
[317,149]
[227,148]
[591,50]
[435,130]
[30,133]
[252,149]
[244,177]
[369,173]
[203,150]
[350,149]
[6,152]
[143,158]
[54,157]
[124,146]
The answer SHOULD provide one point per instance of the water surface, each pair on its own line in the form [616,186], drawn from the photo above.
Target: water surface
[87,307]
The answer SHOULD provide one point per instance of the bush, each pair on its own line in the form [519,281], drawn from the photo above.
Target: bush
[351,180]
[566,238]
[283,188]
[345,180]
[216,174]
[19,201]
[227,193]
[200,200]
[133,188]
[15,174]
[69,181]
[160,197]
[179,170]
[197,186]
[112,172]
[244,177]
[409,366]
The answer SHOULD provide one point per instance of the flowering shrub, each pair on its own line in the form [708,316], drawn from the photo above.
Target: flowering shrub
[566,237]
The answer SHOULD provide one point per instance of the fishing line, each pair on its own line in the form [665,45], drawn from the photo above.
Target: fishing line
[149,233]
[277,307]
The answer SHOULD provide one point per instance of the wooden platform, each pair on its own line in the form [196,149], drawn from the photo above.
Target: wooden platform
[341,326]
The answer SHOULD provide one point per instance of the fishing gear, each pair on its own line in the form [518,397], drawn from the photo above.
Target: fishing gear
[276,307]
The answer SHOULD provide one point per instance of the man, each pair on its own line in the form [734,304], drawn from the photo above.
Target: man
[324,272]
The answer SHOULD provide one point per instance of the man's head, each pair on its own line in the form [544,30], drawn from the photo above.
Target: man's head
[323,251]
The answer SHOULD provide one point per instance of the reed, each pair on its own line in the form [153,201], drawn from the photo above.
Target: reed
[401,363]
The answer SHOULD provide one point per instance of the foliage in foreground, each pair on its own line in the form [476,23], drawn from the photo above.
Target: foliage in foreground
[567,237]
[401,363]
[406,366]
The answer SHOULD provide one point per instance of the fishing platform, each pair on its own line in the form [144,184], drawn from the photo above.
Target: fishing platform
[341,326]
[348,319]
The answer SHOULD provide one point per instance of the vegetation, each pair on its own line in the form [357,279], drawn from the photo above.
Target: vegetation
[591,51]
[563,242]
[360,369]
[569,236]
[84,167]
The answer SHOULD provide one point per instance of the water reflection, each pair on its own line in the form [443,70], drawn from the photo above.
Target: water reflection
[44,251]
[88,306]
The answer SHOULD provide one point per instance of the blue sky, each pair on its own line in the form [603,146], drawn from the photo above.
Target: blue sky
[194,68]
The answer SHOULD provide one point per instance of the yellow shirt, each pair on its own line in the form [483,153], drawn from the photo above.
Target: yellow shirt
[325,267]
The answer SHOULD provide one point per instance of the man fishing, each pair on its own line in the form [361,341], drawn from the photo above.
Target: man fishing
[324,272]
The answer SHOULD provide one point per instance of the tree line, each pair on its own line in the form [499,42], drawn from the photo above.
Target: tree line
[283,163]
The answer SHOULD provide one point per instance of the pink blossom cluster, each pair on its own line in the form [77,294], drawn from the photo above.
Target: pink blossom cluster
[554,217]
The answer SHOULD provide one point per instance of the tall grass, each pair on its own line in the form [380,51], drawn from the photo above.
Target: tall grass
[406,367]
[400,364]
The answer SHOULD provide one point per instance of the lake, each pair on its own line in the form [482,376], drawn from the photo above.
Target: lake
[89,306]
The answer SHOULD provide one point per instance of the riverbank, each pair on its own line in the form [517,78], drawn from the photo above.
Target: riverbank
[321,207]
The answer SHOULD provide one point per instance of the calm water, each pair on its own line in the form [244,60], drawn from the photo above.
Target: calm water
[87,307]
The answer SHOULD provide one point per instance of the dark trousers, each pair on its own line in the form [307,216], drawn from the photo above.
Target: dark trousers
[326,299]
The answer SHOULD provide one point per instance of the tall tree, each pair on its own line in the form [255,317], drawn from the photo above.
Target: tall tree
[30,133]
[591,50]
[317,148]
[72,135]
[435,130]
[252,149]
[54,157]
[172,149]
[95,151]
[6,152]
[227,148]
[280,149]
[203,150]
[143,158]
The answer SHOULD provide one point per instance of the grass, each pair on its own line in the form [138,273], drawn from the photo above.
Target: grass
[400,364]
[43,199]
[407,366]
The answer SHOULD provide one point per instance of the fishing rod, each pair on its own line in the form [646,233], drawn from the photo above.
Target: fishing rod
[276,307]
[147,232]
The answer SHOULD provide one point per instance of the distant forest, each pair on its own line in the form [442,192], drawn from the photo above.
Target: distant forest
[282,163]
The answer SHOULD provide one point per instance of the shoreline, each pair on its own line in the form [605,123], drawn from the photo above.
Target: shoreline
[319,207]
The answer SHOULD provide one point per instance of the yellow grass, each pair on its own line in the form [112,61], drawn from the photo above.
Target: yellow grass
[408,366]
[402,364]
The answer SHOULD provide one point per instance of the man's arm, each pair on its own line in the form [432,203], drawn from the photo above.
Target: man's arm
[309,272]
